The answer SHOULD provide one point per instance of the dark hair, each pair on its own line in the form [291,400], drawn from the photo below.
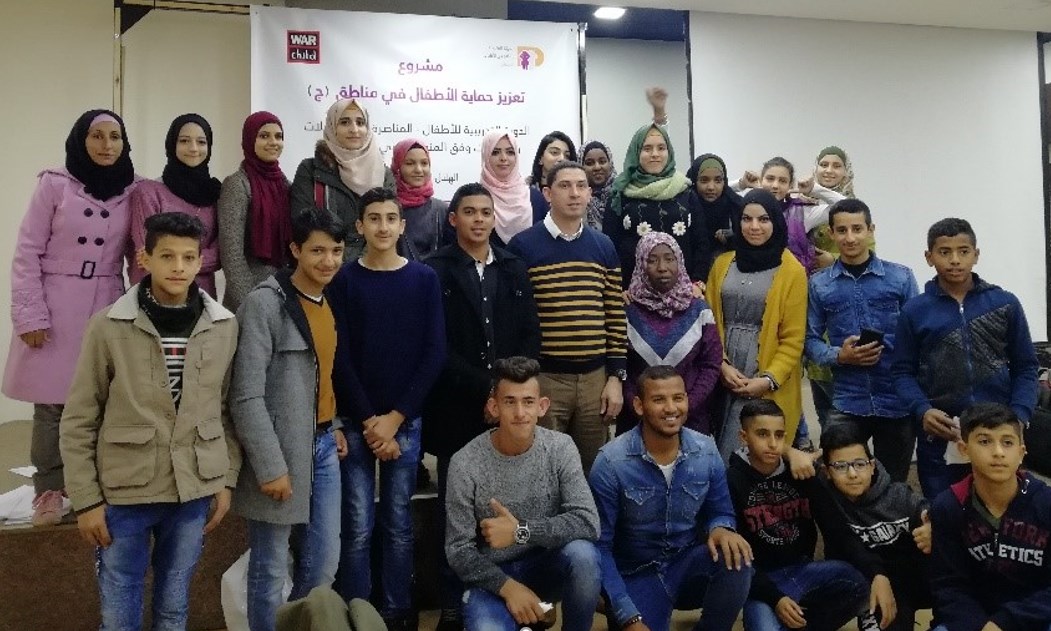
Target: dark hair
[562,165]
[778,161]
[840,435]
[516,369]
[378,195]
[467,190]
[537,173]
[316,219]
[654,373]
[759,407]
[851,206]
[950,227]
[174,224]
[989,416]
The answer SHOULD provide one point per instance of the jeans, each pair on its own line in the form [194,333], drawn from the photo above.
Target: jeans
[892,439]
[935,476]
[314,545]
[450,591]
[397,484]
[178,537]
[570,574]
[690,580]
[822,393]
[830,593]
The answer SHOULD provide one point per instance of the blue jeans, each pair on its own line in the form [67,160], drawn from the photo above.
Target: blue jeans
[830,593]
[397,484]
[935,476]
[178,537]
[314,545]
[690,580]
[570,574]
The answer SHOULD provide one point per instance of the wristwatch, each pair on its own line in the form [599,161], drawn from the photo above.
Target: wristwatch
[632,620]
[621,374]
[522,533]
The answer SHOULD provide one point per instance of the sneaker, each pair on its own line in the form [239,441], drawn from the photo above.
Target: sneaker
[450,620]
[48,509]
[868,622]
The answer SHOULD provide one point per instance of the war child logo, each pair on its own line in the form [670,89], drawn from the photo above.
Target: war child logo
[304,47]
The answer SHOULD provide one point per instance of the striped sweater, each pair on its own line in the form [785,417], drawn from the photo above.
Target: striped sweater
[577,289]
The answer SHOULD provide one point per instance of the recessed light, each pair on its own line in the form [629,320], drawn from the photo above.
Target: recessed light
[609,13]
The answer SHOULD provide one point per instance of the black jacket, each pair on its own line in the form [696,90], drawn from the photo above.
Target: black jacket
[454,411]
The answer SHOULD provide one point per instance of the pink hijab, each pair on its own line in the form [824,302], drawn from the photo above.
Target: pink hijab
[360,169]
[642,292]
[410,196]
[514,212]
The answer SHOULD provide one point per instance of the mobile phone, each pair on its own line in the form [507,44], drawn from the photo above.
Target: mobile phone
[869,336]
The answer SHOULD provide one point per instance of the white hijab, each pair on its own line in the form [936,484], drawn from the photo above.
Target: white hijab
[360,169]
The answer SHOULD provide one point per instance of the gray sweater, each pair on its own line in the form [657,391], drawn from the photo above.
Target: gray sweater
[241,270]
[544,487]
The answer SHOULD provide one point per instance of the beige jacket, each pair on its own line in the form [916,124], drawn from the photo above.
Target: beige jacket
[122,440]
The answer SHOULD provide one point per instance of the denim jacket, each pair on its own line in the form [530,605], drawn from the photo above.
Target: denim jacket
[647,522]
[842,305]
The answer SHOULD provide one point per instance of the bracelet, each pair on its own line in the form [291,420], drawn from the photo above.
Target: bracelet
[773,384]
[632,620]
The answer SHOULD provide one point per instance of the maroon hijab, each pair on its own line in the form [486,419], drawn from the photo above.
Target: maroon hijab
[270,218]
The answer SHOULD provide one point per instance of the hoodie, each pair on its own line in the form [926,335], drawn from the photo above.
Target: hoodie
[984,574]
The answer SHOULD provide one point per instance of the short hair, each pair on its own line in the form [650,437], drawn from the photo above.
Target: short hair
[850,206]
[467,190]
[317,219]
[172,224]
[759,407]
[560,166]
[778,161]
[516,369]
[840,435]
[950,227]
[537,172]
[989,416]
[655,373]
[379,195]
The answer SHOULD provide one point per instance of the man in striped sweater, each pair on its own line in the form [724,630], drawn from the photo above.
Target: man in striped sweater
[575,274]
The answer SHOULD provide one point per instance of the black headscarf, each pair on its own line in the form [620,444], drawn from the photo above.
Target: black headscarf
[716,214]
[101,182]
[194,185]
[757,258]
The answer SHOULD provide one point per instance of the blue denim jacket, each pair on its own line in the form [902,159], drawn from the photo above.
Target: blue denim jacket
[842,305]
[647,522]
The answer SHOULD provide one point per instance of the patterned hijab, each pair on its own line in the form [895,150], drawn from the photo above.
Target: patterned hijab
[757,258]
[514,212]
[101,182]
[599,194]
[410,196]
[636,183]
[360,169]
[641,290]
[846,187]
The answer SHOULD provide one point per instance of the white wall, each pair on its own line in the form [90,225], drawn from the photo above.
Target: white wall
[938,122]
[618,73]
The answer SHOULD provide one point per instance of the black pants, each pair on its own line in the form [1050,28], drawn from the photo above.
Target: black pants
[893,439]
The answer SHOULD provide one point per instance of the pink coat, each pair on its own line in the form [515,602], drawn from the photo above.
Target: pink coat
[152,197]
[68,264]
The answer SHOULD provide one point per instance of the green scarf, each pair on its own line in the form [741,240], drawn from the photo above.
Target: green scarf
[635,183]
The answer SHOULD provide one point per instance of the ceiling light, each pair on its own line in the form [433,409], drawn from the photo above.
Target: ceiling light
[609,13]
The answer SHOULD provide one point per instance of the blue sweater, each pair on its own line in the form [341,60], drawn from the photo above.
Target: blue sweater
[390,339]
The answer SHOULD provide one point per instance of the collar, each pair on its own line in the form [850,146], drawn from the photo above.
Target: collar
[555,232]
[932,286]
[875,267]
[635,447]
[127,307]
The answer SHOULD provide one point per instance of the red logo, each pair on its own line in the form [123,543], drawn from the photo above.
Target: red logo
[304,47]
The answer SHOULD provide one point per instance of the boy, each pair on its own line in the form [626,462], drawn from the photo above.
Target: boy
[961,341]
[145,434]
[888,517]
[489,314]
[779,517]
[390,349]
[284,409]
[521,519]
[860,291]
[990,566]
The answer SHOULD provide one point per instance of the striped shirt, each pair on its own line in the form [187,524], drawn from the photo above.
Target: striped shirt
[174,360]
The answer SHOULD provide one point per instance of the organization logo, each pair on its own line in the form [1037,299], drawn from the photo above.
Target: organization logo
[529,57]
[304,47]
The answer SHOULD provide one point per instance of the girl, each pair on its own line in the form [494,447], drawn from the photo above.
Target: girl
[500,176]
[777,177]
[713,200]
[598,164]
[425,217]
[553,148]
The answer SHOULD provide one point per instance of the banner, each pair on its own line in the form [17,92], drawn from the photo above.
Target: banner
[445,81]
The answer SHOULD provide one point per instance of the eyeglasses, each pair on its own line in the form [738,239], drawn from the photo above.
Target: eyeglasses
[841,466]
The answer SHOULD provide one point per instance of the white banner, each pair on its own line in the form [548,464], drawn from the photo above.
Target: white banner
[443,80]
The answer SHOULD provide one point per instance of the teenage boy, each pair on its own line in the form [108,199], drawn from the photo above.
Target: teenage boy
[284,410]
[575,273]
[861,294]
[990,564]
[963,340]
[668,539]
[489,314]
[779,517]
[390,349]
[520,518]
[888,517]
[145,435]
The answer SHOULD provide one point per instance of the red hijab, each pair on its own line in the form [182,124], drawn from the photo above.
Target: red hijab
[410,196]
[269,217]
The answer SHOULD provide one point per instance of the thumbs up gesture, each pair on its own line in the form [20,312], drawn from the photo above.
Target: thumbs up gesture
[922,534]
[499,531]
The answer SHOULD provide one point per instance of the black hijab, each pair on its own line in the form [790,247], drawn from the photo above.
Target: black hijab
[101,182]
[757,258]
[717,214]
[194,185]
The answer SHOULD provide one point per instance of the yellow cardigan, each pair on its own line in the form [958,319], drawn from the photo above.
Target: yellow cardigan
[781,334]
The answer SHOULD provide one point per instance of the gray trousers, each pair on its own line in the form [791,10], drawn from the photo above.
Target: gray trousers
[43,449]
